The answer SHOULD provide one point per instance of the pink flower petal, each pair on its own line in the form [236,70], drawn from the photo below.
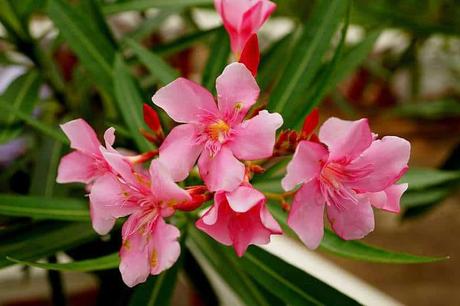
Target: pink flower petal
[109,137]
[244,198]
[345,139]
[306,215]
[237,90]
[120,166]
[387,158]
[108,201]
[163,186]
[305,164]
[389,198]
[222,171]
[82,137]
[134,256]
[214,222]
[164,249]
[76,167]
[185,101]
[180,151]
[255,138]
[353,221]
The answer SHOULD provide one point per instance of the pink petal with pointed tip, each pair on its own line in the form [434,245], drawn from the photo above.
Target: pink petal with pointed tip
[305,164]
[215,221]
[222,171]
[387,158]
[76,167]
[255,138]
[164,249]
[185,101]
[237,90]
[163,186]
[352,222]
[180,151]
[306,215]
[244,198]
[389,198]
[82,136]
[345,139]
[108,201]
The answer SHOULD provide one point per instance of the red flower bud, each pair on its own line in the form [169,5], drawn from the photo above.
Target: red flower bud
[153,121]
[199,194]
[250,56]
[310,123]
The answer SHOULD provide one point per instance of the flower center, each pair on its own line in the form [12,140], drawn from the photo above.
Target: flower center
[218,130]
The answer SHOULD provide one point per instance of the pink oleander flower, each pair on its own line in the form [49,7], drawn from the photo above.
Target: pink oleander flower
[150,245]
[239,218]
[86,163]
[242,19]
[347,173]
[218,135]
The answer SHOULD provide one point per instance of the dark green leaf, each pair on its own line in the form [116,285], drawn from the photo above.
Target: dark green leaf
[217,59]
[44,208]
[157,290]
[140,5]
[184,42]
[305,59]
[92,47]
[130,100]
[426,197]
[422,178]
[293,285]
[156,65]
[43,240]
[102,263]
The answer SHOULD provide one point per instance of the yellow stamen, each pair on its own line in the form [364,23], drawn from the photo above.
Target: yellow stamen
[218,129]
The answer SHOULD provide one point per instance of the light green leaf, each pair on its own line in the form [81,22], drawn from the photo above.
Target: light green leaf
[129,100]
[44,208]
[354,249]
[425,197]
[44,239]
[140,5]
[102,263]
[422,178]
[156,65]
[92,47]
[360,251]
[217,59]
[184,42]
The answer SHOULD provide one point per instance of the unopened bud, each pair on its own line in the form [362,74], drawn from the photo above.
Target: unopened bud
[310,123]
[199,194]
[153,121]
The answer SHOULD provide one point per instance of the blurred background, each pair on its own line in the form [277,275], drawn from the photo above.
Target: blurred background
[400,67]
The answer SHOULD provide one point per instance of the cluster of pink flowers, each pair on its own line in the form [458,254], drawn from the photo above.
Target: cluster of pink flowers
[344,169]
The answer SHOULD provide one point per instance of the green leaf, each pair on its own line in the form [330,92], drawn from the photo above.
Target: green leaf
[34,123]
[184,42]
[157,290]
[431,110]
[129,99]
[426,197]
[354,249]
[102,263]
[140,5]
[44,207]
[148,26]
[11,20]
[45,168]
[360,251]
[422,178]
[217,59]
[44,239]
[226,266]
[156,65]
[305,59]
[21,95]
[293,285]
[92,47]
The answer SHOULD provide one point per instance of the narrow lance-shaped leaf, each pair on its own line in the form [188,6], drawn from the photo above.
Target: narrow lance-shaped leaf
[44,239]
[130,100]
[102,263]
[305,59]
[44,208]
[156,65]
[92,47]
[217,59]
[140,5]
